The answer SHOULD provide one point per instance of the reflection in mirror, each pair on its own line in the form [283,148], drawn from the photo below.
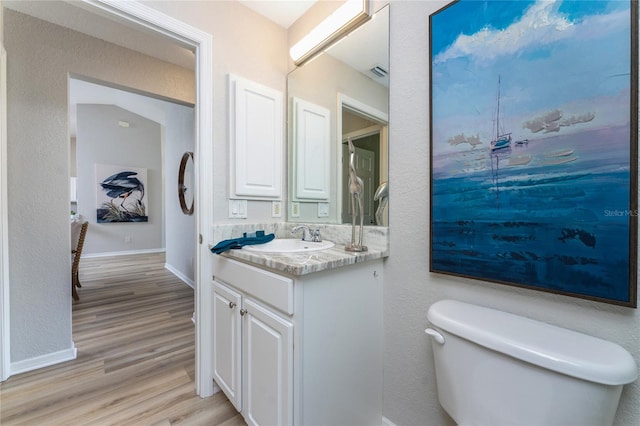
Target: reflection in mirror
[350,81]
[366,140]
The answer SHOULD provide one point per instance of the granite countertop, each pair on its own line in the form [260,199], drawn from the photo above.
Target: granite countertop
[376,240]
[306,263]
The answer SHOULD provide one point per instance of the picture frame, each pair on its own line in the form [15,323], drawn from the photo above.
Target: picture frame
[534,145]
[121,194]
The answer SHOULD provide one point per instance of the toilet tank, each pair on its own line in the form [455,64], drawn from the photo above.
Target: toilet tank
[496,368]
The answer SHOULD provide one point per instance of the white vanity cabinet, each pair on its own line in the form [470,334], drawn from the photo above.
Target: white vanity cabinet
[299,350]
[252,347]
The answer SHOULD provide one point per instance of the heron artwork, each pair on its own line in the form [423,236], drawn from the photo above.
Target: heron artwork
[126,193]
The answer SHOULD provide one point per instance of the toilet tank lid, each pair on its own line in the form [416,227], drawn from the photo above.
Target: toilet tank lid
[548,346]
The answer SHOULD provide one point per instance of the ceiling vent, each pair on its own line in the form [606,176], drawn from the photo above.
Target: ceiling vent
[379,71]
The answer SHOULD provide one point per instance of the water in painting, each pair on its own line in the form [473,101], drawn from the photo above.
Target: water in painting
[531,167]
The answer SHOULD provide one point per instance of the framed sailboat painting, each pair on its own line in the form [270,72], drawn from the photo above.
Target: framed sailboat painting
[534,134]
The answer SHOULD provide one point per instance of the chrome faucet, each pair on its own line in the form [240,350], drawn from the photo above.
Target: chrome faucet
[308,235]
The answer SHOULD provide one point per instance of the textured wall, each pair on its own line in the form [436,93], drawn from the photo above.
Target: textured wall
[410,389]
[40,57]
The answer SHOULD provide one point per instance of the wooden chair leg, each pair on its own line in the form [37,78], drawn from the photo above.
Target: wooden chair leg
[74,292]
[77,251]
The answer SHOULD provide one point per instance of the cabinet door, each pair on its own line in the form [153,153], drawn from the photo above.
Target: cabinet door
[312,150]
[227,341]
[257,141]
[267,367]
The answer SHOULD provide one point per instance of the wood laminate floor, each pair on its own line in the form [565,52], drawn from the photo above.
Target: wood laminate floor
[136,356]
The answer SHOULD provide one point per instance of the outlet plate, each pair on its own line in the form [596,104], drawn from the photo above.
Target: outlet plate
[295,209]
[237,209]
[323,209]
[276,209]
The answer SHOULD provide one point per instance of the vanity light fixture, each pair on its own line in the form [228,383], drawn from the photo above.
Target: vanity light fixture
[345,19]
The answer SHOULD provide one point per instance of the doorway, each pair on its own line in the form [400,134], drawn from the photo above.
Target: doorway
[136,15]
[366,161]
[151,133]
[367,127]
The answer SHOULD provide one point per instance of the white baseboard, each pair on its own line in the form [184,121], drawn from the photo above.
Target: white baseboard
[387,422]
[180,275]
[44,360]
[122,253]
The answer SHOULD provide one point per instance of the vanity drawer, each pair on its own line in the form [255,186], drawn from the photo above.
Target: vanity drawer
[272,289]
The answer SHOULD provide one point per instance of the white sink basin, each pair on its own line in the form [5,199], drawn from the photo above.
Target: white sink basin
[289,245]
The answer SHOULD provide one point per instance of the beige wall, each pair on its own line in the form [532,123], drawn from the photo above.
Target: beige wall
[248,45]
[40,57]
[409,378]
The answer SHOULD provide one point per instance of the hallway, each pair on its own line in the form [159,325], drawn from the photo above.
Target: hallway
[136,364]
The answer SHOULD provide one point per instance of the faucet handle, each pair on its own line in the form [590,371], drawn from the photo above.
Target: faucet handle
[315,236]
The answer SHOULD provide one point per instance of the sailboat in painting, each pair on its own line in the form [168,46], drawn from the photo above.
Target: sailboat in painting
[501,140]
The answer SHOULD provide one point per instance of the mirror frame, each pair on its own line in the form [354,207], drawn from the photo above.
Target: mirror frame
[188,210]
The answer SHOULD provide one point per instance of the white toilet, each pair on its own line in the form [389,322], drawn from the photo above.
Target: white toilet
[495,368]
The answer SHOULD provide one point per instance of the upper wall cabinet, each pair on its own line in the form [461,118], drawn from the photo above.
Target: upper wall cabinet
[311,145]
[256,138]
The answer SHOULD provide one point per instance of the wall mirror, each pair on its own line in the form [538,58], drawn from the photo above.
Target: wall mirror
[341,93]
[186,180]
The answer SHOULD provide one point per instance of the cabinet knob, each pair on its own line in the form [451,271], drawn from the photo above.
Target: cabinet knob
[232,305]
[242,312]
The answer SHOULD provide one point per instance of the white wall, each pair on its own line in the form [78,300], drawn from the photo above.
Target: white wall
[409,378]
[180,231]
[178,125]
[40,56]
[100,140]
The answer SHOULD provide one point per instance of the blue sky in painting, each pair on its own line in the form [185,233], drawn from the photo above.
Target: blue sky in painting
[567,56]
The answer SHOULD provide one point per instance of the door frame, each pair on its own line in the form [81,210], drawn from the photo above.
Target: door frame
[144,18]
[5,342]
[370,113]
[359,153]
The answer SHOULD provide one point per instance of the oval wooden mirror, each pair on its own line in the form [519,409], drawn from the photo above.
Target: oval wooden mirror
[186,180]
